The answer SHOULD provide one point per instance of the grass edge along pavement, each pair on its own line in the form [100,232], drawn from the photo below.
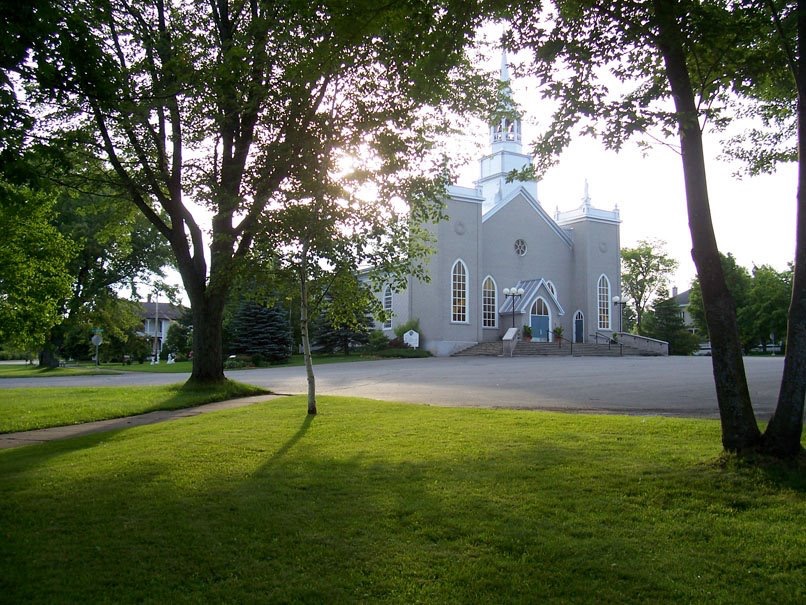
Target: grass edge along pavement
[380,502]
[27,409]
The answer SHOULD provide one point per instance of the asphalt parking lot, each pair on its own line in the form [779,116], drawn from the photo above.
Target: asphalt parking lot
[673,386]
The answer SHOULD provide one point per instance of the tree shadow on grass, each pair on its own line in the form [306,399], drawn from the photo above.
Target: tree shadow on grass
[400,516]
[293,440]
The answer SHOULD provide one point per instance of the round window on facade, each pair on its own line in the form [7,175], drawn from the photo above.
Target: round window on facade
[520,247]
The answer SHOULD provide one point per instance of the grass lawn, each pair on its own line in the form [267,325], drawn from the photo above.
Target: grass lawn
[23,370]
[187,366]
[379,502]
[180,367]
[37,408]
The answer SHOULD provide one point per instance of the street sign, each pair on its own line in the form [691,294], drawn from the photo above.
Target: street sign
[97,340]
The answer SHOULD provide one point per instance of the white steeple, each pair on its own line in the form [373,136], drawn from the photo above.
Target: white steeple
[505,129]
[506,148]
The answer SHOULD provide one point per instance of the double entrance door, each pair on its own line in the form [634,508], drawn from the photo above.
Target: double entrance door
[540,321]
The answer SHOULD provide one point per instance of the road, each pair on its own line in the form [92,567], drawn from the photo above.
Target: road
[675,386]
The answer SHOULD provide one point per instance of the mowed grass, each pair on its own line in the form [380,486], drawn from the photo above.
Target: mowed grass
[31,408]
[377,502]
[22,370]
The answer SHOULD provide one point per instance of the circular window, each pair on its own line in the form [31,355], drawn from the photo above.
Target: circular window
[520,247]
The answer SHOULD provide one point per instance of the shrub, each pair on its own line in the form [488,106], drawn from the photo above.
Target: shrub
[406,352]
[412,324]
[377,341]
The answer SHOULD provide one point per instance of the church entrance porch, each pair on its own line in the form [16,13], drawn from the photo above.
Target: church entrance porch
[540,321]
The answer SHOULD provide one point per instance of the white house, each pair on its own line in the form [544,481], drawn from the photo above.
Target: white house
[157,318]
[498,236]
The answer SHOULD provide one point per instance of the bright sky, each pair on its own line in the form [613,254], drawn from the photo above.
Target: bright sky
[754,218]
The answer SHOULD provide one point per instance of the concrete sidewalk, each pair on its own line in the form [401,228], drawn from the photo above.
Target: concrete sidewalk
[9,440]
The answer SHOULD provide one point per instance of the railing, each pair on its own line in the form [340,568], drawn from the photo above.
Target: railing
[644,343]
[510,339]
[611,342]
[562,338]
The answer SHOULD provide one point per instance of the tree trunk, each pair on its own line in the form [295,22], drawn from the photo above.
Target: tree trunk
[783,435]
[304,332]
[207,309]
[739,428]
[208,359]
[47,356]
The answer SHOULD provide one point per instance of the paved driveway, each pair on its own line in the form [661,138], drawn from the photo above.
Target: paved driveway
[678,386]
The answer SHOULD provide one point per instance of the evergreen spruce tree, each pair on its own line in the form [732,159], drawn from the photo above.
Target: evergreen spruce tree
[665,322]
[262,333]
[340,337]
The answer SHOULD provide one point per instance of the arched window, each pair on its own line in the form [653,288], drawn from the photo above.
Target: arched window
[550,287]
[540,307]
[387,307]
[604,303]
[489,304]
[459,292]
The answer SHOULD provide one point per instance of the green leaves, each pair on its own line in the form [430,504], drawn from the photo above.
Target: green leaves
[34,257]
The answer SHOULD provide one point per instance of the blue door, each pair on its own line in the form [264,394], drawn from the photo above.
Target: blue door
[539,321]
[579,327]
[540,328]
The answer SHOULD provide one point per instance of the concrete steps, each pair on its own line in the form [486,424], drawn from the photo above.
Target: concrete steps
[545,349]
[488,349]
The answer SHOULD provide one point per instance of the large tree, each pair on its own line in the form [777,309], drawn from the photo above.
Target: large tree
[739,282]
[34,266]
[644,270]
[664,321]
[219,103]
[675,63]
[765,313]
[116,247]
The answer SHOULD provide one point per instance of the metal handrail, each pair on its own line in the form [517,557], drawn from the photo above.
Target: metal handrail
[568,340]
[610,341]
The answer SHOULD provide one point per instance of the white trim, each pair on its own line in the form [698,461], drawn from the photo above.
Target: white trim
[387,325]
[550,334]
[466,320]
[574,324]
[495,303]
[607,304]
[559,231]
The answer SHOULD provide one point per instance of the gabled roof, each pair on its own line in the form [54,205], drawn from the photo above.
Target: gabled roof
[166,310]
[531,290]
[561,233]
[683,297]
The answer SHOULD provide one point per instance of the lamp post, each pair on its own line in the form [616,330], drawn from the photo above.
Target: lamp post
[514,293]
[619,302]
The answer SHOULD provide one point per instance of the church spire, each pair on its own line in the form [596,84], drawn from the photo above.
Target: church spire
[506,154]
[504,67]
[505,130]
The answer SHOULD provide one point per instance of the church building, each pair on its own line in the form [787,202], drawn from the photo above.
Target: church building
[502,261]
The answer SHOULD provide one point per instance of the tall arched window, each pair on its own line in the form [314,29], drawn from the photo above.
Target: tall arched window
[459,292]
[550,287]
[387,307]
[604,303]
[489,304]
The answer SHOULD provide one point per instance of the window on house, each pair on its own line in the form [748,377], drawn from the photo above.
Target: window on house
[387,307]
[604,303]
[489,316]
[459,292]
